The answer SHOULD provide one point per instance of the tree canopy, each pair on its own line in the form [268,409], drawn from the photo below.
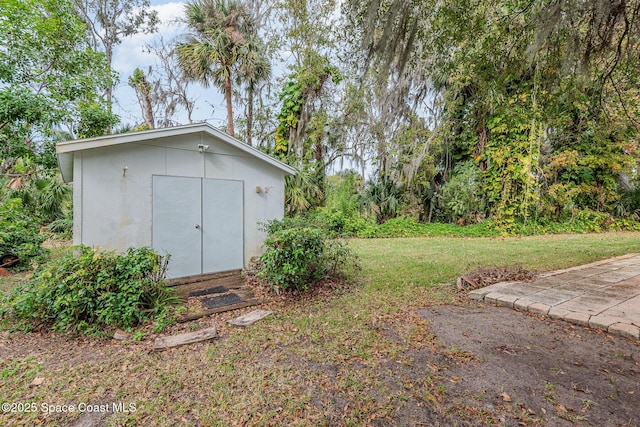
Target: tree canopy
[49,77]
[109,21]
[539,95]
[221,30]
[458,111]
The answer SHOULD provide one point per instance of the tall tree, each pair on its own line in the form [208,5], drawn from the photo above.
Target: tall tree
[219,30]
[48,76]
[109,21]
[139,82]
[253,68]
[49,79]
[308,128]
[388,56]
[265,45]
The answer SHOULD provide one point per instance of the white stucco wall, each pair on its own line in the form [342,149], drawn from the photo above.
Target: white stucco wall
[113,209]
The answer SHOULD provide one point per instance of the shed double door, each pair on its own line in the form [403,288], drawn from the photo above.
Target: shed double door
[199,222]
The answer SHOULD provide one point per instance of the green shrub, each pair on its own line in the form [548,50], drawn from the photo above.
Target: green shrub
[287,223]
[333,222]
[343,191]
[63,226]
[296,258]
[339,223]
[625,225]
[463,197]
[629,205]
[382,198]
[94,290]
[409,227]
[396,227]
[47,198]
[582,221]
[20,234]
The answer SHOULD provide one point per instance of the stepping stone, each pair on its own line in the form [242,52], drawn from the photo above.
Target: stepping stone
[221,301]
[182,339]
[208,291]
[249,318]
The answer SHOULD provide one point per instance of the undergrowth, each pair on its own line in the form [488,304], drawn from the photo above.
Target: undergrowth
[334,224]
[92,291]
[19,235]
[409,227]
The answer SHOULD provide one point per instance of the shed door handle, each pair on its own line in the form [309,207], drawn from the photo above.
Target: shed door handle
[198,226]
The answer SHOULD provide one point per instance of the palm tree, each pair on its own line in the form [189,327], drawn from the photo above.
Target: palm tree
[219,32]
[254,67]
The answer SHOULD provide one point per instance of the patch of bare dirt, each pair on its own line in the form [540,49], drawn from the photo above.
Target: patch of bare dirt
[519,369]
[53,350]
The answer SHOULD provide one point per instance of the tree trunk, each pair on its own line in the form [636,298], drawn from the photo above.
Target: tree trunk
[138,81]
[227,95]
[249,114]
[147,106]
[320,172]
[483,138]
[109,89]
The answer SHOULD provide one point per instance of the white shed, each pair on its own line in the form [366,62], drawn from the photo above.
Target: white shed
[191,191]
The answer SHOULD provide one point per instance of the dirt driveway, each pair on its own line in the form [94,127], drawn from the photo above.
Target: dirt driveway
[515,368]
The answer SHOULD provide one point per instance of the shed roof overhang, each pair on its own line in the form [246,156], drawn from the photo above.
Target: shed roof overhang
[66,150]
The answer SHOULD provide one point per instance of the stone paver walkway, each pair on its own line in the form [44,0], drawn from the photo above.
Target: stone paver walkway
[603,295]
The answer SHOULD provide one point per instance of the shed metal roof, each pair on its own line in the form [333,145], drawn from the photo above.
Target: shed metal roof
[66,149]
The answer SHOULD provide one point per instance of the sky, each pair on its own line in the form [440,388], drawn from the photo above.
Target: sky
[131,54]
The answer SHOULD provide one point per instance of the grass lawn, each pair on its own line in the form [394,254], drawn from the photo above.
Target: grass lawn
[317,361]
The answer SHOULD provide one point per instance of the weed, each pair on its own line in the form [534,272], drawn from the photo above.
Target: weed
[21,371]
[623,356]
[550,398]
[460,354]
